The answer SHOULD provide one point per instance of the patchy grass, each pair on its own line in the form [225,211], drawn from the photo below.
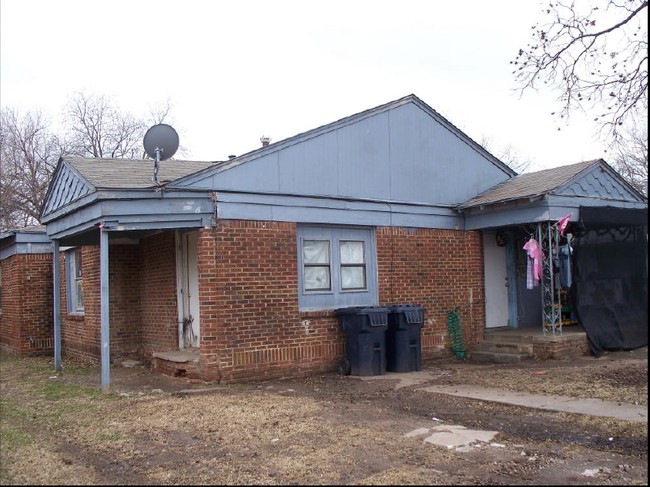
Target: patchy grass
[58,428]
[34,401]
[111,437]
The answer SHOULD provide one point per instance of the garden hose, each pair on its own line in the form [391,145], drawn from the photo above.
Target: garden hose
[456,333]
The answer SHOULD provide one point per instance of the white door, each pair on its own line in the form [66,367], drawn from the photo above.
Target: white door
[496,282]
[187,272]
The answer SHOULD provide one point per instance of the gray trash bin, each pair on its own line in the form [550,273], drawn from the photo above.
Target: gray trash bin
[365,345]
[403,344]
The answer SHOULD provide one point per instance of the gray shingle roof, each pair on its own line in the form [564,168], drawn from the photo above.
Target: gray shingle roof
[530,185]
[131,173]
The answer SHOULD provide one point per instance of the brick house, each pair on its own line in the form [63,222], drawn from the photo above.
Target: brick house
[232,270]
[26,291]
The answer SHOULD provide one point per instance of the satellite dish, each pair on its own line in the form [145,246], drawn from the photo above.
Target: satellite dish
[160,143]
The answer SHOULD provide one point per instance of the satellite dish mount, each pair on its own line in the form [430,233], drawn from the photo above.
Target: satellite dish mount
[160,143]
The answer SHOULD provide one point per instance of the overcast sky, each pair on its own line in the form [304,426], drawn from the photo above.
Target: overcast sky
[234,71]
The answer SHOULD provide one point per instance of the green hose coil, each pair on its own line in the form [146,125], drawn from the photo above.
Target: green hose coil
[456,333]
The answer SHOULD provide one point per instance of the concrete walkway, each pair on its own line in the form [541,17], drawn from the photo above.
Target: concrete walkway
[592,407]
[464,440]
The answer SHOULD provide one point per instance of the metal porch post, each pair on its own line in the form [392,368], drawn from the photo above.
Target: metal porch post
[105,329]
[57,305]
[551,303]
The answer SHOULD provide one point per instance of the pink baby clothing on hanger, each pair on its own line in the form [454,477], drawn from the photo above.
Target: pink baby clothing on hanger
[535,257]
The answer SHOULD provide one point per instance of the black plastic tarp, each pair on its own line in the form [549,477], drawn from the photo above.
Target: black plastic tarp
[610,287]
[611,216]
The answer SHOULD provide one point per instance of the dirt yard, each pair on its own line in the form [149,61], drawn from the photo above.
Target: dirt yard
[328,429]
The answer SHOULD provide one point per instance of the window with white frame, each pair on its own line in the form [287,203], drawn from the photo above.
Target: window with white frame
[337,267]
[74,281]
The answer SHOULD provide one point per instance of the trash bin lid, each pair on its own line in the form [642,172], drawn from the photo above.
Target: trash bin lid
[349,310]
[412,312]
[376,316]
[414,316]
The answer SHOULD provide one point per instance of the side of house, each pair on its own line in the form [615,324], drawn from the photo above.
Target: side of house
[26,292]
[252,327]
[234,270]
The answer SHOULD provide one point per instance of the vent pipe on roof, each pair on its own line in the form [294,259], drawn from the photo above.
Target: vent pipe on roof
[232,156]
[265,141]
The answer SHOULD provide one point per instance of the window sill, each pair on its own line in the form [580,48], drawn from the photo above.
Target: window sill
[322,313]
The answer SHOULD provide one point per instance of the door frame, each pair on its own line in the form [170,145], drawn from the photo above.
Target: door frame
[187,289]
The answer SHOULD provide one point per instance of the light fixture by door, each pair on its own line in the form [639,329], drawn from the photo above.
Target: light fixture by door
[501,238]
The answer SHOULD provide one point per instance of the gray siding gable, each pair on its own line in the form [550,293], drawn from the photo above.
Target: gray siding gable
[588,179]
[67,186]
[551,194]
[78,181]
[599,181]
[399,152]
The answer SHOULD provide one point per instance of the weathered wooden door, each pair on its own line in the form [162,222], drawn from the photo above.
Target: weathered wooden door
[496,281]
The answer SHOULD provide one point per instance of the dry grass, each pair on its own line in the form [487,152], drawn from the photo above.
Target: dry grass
[625,382]
[56,429]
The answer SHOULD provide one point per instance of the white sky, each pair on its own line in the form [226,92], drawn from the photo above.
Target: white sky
[235,70]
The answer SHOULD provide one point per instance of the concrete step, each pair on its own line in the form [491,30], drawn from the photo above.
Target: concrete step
[508,338]
[505,347]
[504,350]
[496,357]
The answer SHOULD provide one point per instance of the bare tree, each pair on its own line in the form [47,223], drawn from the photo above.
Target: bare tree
[630,154]
[96,128]
[596,56]
[29,152]
[162,113]
[508,155]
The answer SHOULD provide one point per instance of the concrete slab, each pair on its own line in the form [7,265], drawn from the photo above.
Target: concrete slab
[592,407]
[179,356]
[410,378]
[129,364]
[453,436]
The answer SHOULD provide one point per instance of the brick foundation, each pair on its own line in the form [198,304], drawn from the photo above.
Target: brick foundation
[561,347]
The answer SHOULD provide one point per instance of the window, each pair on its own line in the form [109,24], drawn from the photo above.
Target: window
[316,259]
[337,267]
[74,281]
[353,265]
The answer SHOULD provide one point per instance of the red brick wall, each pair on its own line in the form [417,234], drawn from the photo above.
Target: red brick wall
[26,325]
[251,328]
[440,270]
[250,325]
[125,301]
[159,308]
[81,333]
[561,347]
